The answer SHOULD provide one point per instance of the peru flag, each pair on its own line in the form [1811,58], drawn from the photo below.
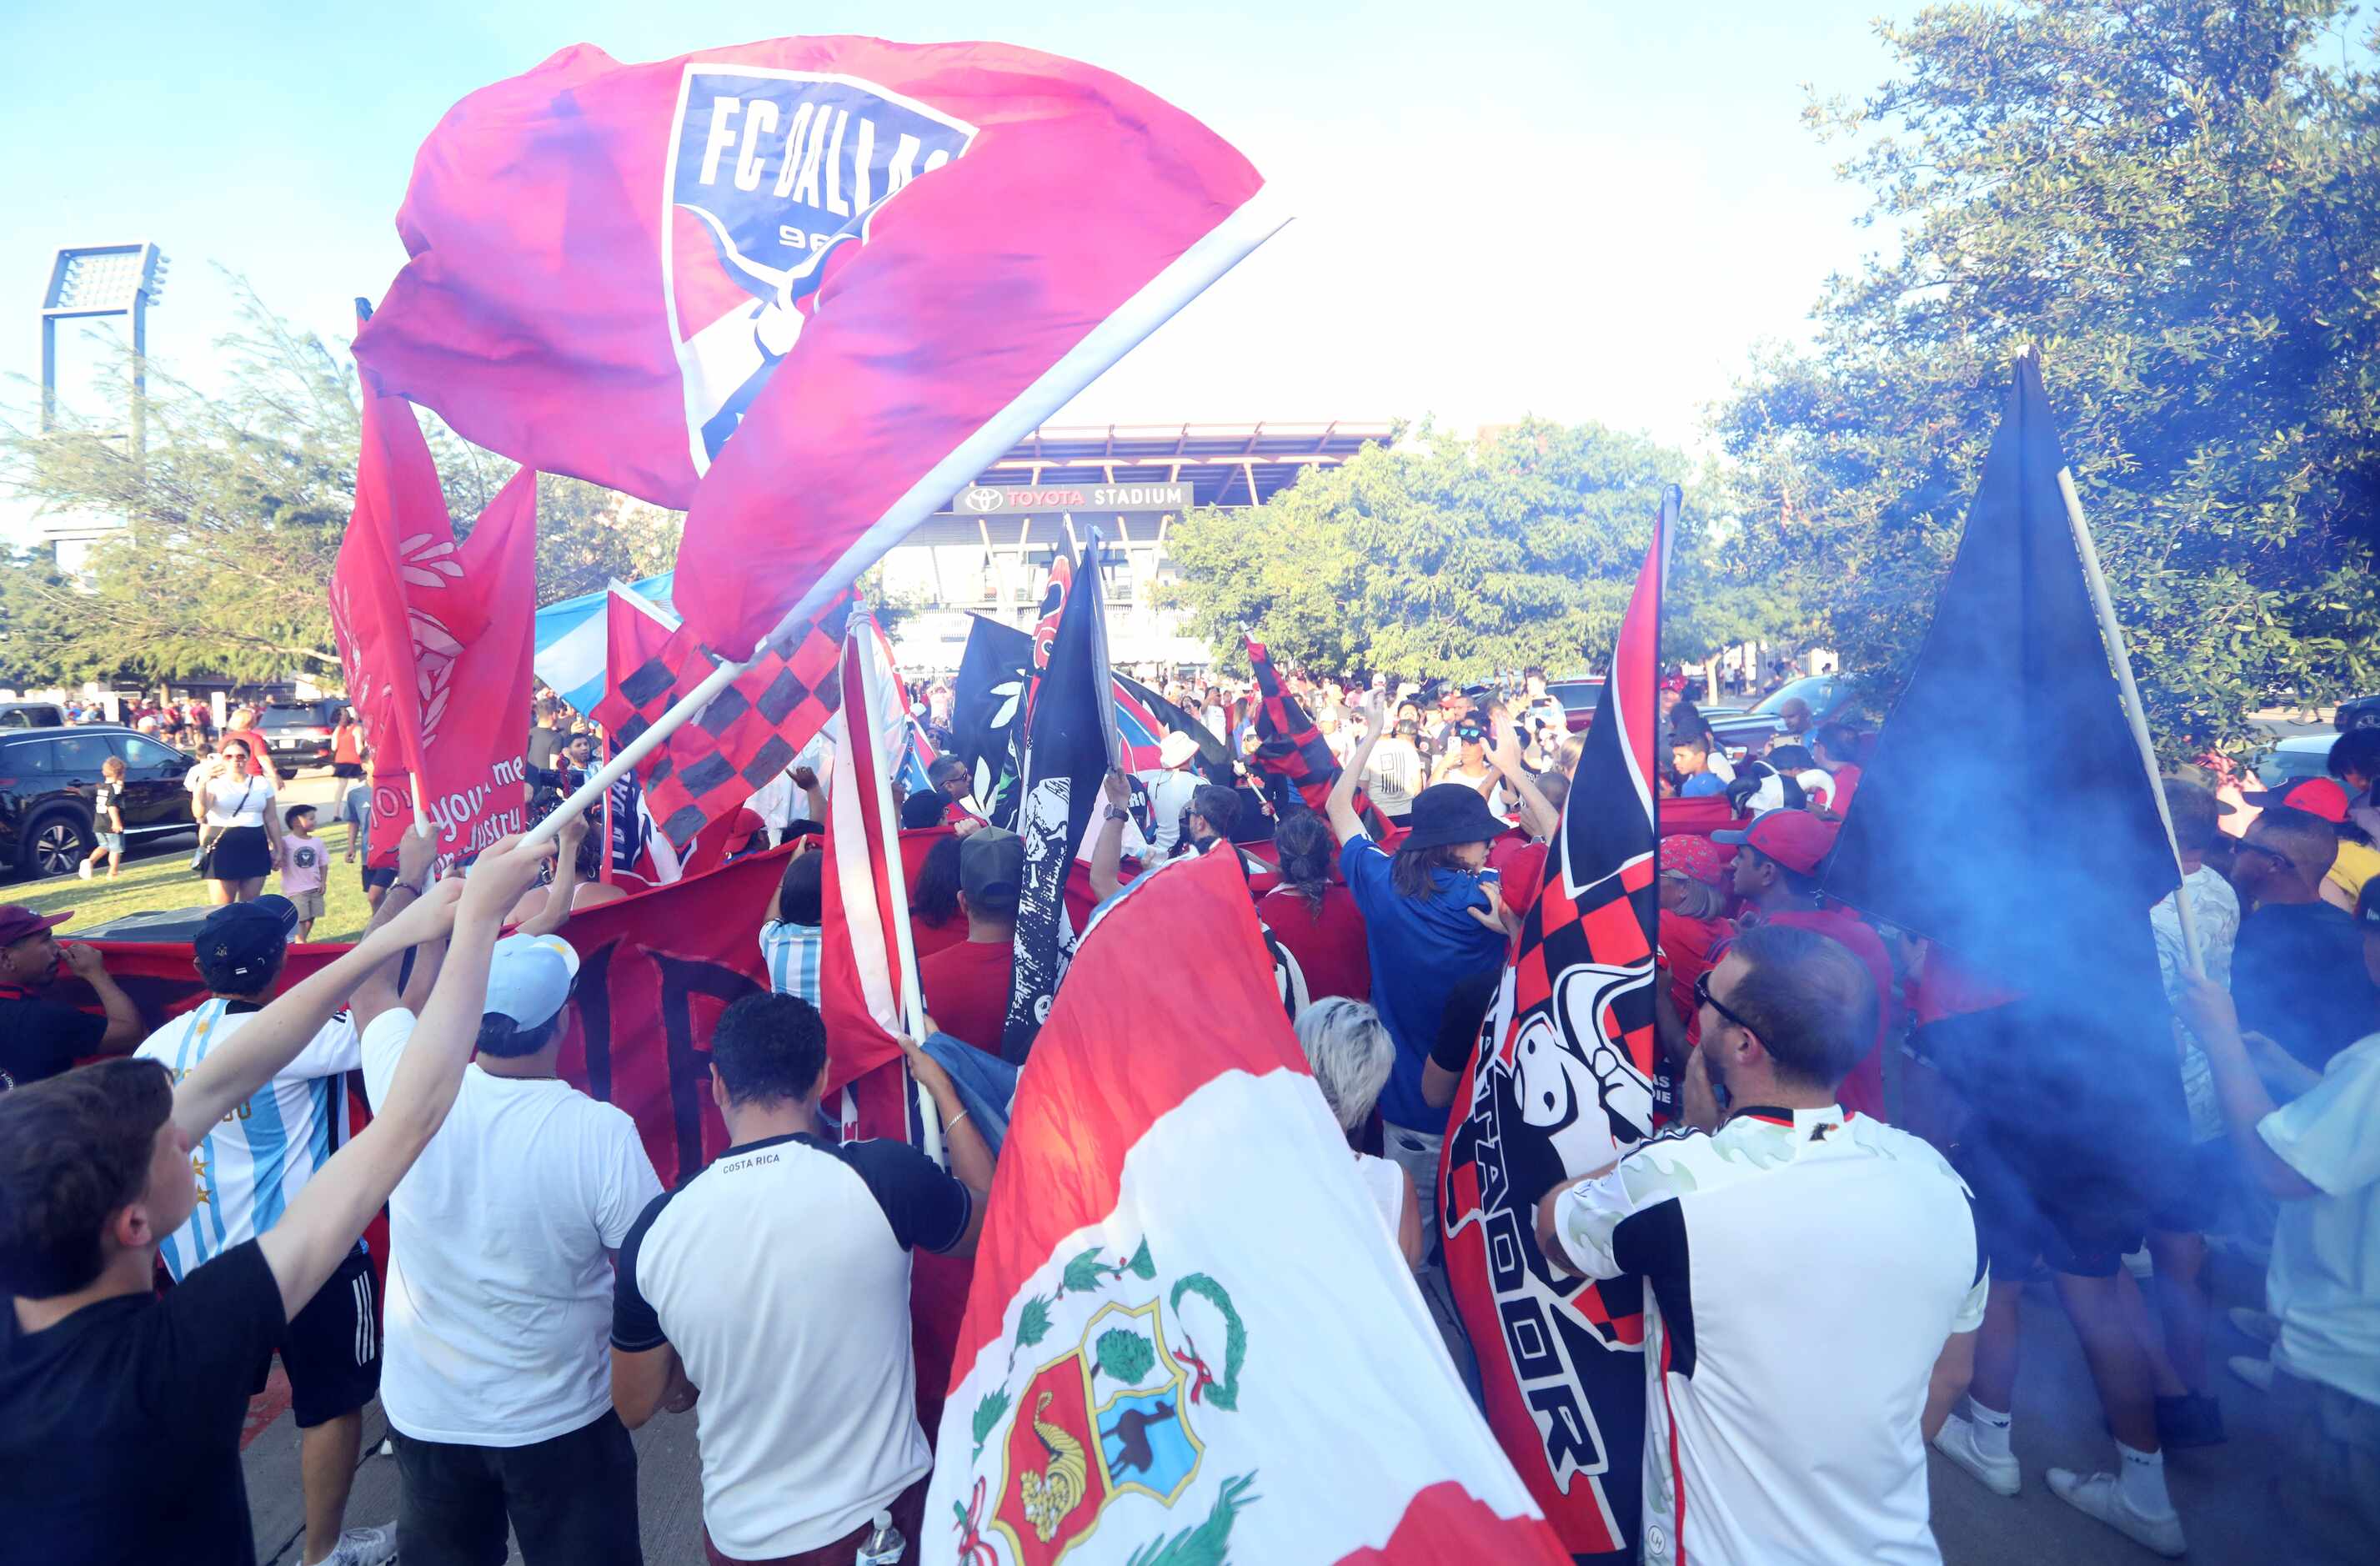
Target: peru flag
[805,288]
[1560,1084]
[1191,1335]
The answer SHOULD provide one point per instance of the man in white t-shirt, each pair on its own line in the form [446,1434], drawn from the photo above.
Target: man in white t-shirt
[777,1282]
[247,1169]
[1813,1280]
[1170,784]
[499,1291]
[2318,1156]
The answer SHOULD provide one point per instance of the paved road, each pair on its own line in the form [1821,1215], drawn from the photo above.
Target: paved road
[2222,1491]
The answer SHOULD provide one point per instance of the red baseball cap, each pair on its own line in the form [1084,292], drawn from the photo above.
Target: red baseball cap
[18,922]
[2325,797]
[1794,838]
[1695,857]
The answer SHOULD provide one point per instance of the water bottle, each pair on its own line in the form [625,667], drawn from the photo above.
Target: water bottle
[884,1546]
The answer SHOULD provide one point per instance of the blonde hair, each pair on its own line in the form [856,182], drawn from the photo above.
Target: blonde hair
[113,766]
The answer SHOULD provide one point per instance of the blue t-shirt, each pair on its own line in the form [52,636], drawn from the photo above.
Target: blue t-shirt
[1421,947]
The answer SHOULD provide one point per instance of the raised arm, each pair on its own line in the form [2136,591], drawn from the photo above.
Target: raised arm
[1538,817]
[971,1158]
[1107,845]
[323,1223]
[564,890]
[1340,806]
[123,1030]
[250,1058]
[415,853]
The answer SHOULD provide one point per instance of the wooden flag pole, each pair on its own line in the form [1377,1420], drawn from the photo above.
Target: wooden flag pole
[2113,634]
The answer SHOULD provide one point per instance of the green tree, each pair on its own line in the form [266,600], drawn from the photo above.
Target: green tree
[2179,199]
[1436,557]
[235,513]
[34,635]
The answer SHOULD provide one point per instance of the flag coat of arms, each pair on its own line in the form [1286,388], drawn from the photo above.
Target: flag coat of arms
[882,260]
[1191,1336]
[1561,1084]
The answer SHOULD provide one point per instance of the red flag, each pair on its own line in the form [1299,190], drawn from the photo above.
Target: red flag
[744,737]
[891,260]
[437,638]
[868,972]
[1293,747]
[1561,1084]
[1183,1279]
[399,539]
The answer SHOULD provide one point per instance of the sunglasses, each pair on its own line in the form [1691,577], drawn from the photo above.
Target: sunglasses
[1703,997]
[2275,855]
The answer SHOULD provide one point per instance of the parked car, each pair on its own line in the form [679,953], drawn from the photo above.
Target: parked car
[1578,698]
[31,714]
[1740,734]
[298,733]
[2294,760]
[2362,713]
[46,778]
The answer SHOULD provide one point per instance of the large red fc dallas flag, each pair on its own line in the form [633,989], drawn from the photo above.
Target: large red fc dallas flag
[805,289]
[436,639]
[1561,1084]
[1191,1335]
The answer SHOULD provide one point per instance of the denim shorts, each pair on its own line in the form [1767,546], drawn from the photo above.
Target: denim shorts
[112,841]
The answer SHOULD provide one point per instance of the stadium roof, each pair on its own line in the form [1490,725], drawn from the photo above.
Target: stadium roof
[1225,464]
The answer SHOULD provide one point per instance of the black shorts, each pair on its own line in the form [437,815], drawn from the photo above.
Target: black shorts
[347,770]
[2194,1201]
[384,877]
[330,1349]
[2047,1192]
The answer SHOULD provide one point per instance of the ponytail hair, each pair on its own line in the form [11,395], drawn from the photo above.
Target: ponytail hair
[1305,852]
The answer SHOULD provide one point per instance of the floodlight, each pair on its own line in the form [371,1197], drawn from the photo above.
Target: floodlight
[99,280]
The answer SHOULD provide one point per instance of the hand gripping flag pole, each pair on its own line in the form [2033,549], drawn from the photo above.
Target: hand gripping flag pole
[1229,243]
[2104,606]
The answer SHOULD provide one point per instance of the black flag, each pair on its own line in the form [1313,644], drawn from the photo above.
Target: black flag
[2007,817]
[1069,741]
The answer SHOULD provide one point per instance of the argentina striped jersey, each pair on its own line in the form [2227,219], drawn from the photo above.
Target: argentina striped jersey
[259,1157]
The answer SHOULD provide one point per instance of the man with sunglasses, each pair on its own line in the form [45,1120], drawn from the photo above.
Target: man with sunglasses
[1780,1221]
[2295,974]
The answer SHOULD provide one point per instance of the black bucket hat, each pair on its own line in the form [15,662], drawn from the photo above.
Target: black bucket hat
[1449,813]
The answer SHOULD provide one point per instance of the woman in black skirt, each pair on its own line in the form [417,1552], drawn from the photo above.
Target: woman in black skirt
[239,829]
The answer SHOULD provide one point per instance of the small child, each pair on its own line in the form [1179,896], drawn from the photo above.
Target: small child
[302,867]
[107,817]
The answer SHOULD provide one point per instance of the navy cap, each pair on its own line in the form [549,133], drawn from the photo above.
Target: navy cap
[240,944]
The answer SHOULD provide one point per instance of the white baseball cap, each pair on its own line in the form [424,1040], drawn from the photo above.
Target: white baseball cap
[529,978]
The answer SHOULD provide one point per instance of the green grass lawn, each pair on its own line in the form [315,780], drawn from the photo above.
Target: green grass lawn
[159,877]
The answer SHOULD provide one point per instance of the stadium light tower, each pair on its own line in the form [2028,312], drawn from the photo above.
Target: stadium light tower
[102,280]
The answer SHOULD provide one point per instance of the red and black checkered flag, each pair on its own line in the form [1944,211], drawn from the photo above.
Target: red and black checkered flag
[1560,1084]
[747,734]
[1292,749]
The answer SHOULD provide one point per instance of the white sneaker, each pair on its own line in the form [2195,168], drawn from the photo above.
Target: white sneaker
[2262,1326]
[83,870]
[2257,1373]
[1956,1441]
[364,1547]
[2094,1495]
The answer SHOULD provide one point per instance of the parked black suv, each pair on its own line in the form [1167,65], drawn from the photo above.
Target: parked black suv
[298,733]
[46,778]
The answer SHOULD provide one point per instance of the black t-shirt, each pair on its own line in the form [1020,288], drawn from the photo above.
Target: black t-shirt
[119,1427]
[2297,976]
[40,1038]
[106,797]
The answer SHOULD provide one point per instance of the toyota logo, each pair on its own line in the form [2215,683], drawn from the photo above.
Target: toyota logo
[981,499]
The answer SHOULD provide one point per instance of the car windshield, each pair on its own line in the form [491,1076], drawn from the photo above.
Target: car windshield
[1813,688]
[291,718]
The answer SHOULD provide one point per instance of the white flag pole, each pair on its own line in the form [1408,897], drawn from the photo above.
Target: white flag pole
[1221,248]
[2114,636]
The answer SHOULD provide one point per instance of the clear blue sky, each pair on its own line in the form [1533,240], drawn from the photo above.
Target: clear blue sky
[1581,210]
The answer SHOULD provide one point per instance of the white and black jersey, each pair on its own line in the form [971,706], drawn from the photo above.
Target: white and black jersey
[1803,1268]
[780,1275]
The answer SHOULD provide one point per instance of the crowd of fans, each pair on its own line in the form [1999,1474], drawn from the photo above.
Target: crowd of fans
[1811,1155]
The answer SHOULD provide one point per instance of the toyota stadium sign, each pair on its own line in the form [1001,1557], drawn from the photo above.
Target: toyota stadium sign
[986,500]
